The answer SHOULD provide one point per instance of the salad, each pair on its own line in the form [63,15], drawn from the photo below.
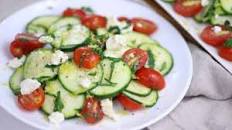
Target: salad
[79,63]
[217,14]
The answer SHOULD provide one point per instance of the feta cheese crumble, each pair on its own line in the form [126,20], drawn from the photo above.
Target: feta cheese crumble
[28,86]
[217,29]
[85,83]
[16,62]
[116,46]
[46,39]
[115,42]
[58,57]
[56,118]
[123,25]
[107,108]
[204,2]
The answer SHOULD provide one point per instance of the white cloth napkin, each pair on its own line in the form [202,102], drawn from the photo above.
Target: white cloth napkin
[206,106]
[208,103]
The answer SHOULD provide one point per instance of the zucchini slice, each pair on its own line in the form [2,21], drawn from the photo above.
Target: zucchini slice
[227,5]
[134,39]
[36,65]
[69,37]
[147,101]
[72,103]
[163,59]
[70,75]
[138,89]
[40,25]
[107,65]
[15,80]
[48,105]
[63,22]
[120,78]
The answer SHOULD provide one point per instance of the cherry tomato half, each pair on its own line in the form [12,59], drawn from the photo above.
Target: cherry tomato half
[215,39]
[92,111]
[128,103]
[150,78]
[86,57]
[74,12]
[95,21]
[226,53]
[24,44]
[143,26]
[32,101]
[122,18]
[135,58]
[187,8]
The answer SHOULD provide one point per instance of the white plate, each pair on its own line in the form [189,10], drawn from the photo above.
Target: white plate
[178,80]
[194,29]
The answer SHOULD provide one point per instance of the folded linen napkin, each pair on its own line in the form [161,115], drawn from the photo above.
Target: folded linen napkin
[207,104]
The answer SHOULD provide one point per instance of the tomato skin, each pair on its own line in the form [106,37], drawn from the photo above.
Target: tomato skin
[226,53]
[135,56]
[143,26]
[16,49]
[32,101]
[187,10]
[128,103]
[123,18]
[92,111]
[95,21]
[150,78]
[214,39]
[86,57]
[23,44]
[74,12]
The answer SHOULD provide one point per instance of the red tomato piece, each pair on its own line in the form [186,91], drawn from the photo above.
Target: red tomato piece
[32,101]
[74,12]
[136,58]
[24,44]
[150,78]
[16,49]
[226,53]
[187,8]
[122,18]
[95,21]
[86,57]
[128,103]
[92,111]
[215,39]
[143,26]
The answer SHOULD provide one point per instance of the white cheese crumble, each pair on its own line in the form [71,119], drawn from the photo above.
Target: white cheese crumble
[115,42]
[217,29]
[56,118]
[216,16]
[123,25]
[107,108]
[46,39]
[116,46]
[204,2]
[16,62]
[28,86]
[58,57]
[85,83]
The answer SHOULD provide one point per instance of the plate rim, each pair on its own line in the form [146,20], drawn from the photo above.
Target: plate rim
[161,116]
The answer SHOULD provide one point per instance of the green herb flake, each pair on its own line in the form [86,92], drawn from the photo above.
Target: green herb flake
[228,43]
[114,30]
[151,59]
[58,103]
[87,9]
